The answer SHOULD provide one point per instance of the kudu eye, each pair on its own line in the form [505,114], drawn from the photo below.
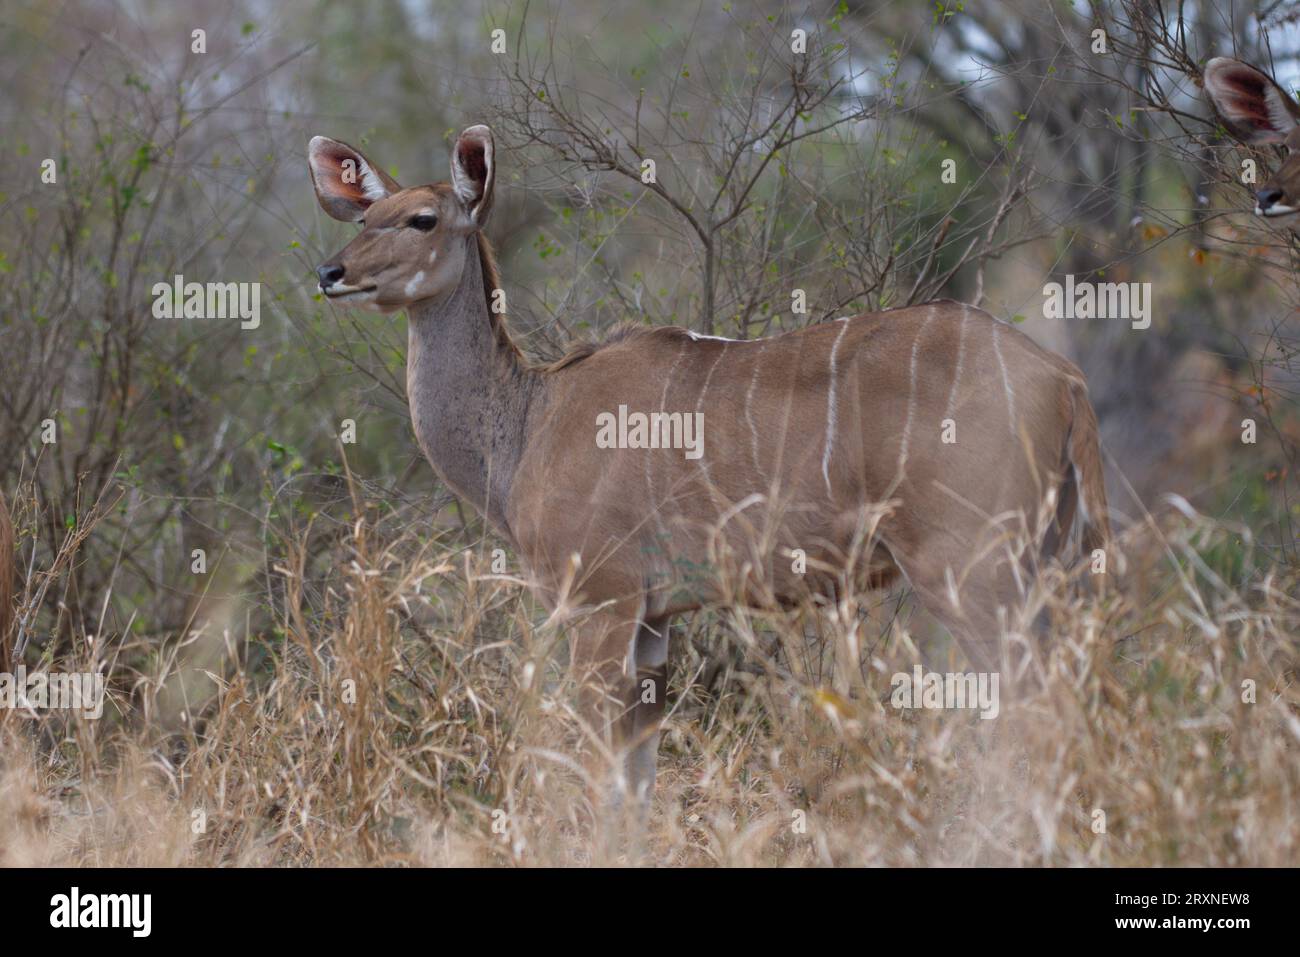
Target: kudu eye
[423,223]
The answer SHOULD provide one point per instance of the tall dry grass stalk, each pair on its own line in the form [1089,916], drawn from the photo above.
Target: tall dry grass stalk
[407,705]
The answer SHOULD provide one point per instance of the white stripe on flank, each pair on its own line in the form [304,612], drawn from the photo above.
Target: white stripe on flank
[911,401]
[649,481]
[749,409]
[1006,383]
[709,378]
[830,410]
[704,465]
[961,354]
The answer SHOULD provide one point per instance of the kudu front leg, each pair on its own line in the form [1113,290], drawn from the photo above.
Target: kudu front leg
[600,650]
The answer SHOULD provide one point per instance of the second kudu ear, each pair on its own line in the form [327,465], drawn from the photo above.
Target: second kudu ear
[1251,101]
[346,182]
[473,171]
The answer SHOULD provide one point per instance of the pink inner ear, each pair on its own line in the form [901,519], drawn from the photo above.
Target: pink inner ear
[1252,112]
[473,160]
[1245,98]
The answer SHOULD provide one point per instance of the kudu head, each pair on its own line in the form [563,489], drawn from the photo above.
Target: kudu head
[414,242]
[1253,103]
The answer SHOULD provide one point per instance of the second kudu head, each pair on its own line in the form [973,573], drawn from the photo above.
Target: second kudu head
[413,242]
[1263,112]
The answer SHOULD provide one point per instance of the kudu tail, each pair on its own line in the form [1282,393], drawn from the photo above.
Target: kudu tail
[1084,454]
[6,586]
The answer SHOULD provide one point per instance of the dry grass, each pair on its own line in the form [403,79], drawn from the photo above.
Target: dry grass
[409,706]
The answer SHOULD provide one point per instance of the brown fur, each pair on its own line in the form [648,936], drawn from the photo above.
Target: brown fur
[642,535]
[585,350]
[562,477]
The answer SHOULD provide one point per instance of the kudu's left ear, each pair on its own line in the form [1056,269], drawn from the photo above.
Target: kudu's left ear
[346,182]
[1250,100]
[473,171]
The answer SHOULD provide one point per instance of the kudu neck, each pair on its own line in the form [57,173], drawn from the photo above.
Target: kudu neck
[469,387]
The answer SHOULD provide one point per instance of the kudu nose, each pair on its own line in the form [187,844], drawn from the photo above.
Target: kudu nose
[1267,196]
[329,274]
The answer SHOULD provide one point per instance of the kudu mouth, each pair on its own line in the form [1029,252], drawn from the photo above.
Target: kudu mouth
[331,276]
[337,291]
[1270,201]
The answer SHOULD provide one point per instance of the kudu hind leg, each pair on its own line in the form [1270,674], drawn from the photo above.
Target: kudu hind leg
[647,707]
[975,599]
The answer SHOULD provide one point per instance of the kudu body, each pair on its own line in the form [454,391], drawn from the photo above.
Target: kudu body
[828,442]
[1261,112]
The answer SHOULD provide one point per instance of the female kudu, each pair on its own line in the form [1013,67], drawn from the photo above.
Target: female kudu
[916,441]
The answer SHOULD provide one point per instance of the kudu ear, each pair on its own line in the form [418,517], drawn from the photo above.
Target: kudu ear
[473,171]
[346,182]
[1251,101]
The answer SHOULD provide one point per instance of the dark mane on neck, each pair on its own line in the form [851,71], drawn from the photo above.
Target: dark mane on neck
[624,332]
[576,353]
[492,282]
